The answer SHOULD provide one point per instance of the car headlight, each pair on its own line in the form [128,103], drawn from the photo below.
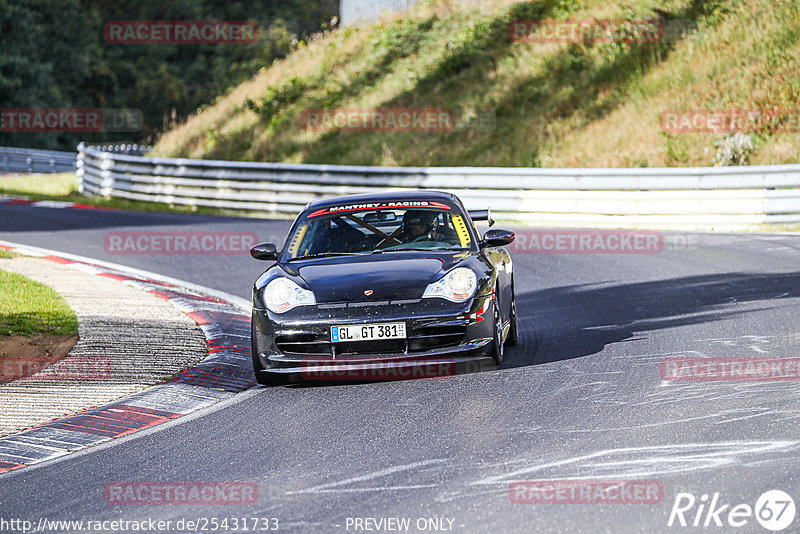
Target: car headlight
[458,285]
[281,295]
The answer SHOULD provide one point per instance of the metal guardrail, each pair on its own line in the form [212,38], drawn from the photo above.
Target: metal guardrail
[30,160]
[699,198]
[129,149]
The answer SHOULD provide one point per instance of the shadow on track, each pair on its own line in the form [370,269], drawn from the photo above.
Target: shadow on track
[568,322]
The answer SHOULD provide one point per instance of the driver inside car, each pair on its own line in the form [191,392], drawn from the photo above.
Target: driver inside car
[419,225]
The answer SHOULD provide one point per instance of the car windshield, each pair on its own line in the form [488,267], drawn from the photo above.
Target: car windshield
[339,230]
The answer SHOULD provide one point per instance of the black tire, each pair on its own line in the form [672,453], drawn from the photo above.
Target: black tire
[265,379]
[513,331]
[498,351]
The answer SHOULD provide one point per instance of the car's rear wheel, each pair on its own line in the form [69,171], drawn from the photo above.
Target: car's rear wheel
[265,379]
[498,334]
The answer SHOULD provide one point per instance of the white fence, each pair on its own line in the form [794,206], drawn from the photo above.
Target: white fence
[725,198]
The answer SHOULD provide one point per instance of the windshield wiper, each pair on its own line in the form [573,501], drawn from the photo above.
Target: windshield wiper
[325,255]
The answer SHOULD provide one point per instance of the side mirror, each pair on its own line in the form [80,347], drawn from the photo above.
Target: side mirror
[264,251]
[497,238]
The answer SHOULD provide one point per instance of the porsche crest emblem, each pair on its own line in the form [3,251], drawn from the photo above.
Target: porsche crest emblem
[368,292]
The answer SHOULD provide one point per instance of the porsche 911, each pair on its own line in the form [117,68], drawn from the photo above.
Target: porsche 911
[381,286]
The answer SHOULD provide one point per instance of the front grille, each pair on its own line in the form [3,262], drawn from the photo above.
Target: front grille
[434,337]
[303,344]
[420,340]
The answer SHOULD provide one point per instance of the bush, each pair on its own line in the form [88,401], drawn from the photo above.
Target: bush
[277,98]
[733,149]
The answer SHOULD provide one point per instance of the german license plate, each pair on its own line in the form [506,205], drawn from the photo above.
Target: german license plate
[368,332]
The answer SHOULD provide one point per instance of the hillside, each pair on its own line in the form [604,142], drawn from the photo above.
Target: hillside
[516,103]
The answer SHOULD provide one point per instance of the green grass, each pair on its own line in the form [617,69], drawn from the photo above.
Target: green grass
[51,185]
[555,105]
[64,187]
[28,308]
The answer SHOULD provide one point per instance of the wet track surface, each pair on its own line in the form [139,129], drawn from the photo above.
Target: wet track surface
[581,397]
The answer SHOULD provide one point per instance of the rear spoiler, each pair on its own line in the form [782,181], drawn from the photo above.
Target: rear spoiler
[482,215]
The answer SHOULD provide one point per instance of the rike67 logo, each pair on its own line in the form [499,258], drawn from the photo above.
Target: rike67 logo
[774,510]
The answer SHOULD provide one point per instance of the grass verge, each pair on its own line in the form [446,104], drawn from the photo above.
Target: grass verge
[29,308]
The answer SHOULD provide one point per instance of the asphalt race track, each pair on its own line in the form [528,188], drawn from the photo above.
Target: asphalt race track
[581,397]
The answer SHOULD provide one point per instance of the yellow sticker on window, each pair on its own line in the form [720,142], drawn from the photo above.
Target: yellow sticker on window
[294,244]
[461,230]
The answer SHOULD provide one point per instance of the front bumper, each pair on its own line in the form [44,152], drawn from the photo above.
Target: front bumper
[443,338]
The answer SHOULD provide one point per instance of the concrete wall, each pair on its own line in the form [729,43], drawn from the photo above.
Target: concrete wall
[353,11]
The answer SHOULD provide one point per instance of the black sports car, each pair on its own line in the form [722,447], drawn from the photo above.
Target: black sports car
[382,286]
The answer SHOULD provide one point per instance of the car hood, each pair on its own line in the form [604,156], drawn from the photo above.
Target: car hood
[373,279]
